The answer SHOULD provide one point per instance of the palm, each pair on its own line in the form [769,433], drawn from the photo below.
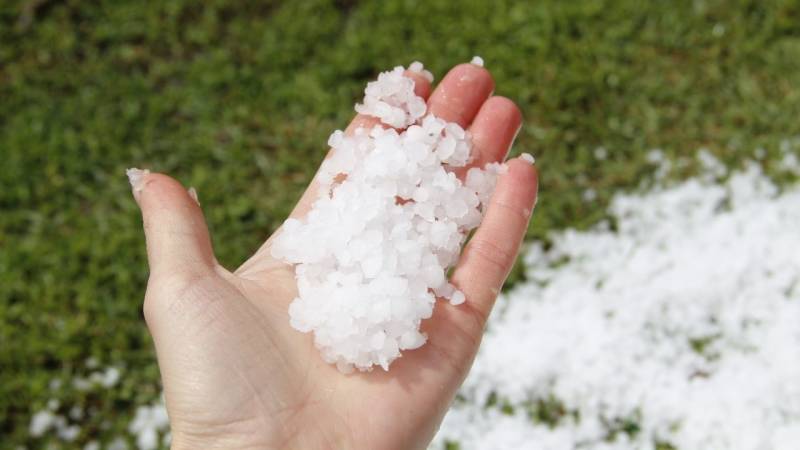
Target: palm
[276,377]
[237,375]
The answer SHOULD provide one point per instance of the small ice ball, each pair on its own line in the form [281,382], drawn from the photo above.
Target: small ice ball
[456,208]
[457,298]
[477,60]
[417,67]
[439,233]
[377,340]
[445,291]
[433,275]
[421,194]
[528,157]
[411,340]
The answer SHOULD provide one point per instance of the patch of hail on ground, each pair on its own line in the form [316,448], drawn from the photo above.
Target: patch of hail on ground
[681,329]
[372,255]
[63,422]
[149,428]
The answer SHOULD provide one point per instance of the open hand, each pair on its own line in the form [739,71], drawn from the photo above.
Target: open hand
[236,375]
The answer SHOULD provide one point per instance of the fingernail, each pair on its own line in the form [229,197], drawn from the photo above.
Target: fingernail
[136,178]
[193,193]
[527,157]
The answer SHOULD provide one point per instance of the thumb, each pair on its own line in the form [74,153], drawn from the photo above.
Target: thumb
[178,243]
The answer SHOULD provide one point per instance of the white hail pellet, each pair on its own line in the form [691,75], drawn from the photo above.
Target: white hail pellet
[528,157]
[417,67]
[372,255]
[477,60]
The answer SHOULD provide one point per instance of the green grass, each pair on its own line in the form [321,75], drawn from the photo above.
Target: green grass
[237,99]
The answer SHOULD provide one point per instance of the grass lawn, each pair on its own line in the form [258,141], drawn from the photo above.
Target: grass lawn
[238,98]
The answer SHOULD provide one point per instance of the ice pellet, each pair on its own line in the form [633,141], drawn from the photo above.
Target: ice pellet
[528,157]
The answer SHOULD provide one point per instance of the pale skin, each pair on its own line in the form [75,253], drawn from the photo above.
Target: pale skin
[237,376]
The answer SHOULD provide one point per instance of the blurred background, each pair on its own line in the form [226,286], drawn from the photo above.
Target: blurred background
[237,99]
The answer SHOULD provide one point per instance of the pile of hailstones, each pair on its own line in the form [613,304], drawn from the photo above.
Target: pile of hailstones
[372,255]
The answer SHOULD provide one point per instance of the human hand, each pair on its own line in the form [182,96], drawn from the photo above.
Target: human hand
[236,375]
